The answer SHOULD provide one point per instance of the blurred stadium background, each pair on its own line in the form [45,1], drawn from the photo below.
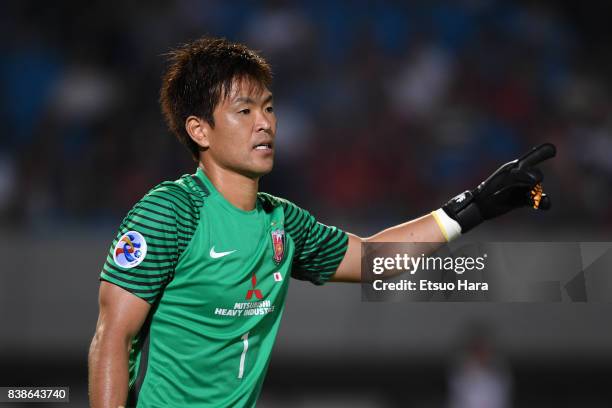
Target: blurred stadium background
[386,109]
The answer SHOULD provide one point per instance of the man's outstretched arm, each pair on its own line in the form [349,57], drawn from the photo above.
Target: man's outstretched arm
[424,229]
[121,317]
[515,184]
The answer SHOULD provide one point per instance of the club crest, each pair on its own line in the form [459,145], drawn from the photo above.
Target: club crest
[278,245]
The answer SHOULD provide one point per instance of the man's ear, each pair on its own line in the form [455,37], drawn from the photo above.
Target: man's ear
[199,130]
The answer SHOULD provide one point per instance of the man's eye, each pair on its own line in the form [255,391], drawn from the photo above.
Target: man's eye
[269,109]
[245,111]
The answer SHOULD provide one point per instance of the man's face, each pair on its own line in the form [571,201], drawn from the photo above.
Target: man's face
[242,139]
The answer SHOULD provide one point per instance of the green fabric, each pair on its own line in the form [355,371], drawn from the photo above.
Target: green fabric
[209,307]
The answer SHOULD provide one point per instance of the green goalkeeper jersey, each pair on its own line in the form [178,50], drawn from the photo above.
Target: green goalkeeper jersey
[216,278]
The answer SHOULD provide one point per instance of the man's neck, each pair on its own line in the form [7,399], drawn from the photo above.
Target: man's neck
[239,190]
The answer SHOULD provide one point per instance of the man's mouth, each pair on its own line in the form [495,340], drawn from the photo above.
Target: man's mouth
[263,146]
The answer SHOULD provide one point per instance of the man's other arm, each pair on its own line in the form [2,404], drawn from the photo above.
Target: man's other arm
[120,319]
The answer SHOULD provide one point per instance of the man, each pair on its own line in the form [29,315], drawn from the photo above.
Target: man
[193,288]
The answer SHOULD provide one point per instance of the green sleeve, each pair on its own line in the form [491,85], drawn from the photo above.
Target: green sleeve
[319,248]
[162,218]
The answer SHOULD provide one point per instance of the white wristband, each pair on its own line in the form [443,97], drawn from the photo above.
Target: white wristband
[449,227]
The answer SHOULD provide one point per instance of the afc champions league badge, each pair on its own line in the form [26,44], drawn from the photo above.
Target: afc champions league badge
[278,245]
[130,250]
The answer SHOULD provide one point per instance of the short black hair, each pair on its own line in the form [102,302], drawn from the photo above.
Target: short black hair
[199,75]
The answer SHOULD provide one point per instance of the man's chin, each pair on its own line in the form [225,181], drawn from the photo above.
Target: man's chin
[259,171]
[265,171]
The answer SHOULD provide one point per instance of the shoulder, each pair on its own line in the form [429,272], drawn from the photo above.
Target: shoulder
[178,199]
[295,216]
[270,202]
[180,194]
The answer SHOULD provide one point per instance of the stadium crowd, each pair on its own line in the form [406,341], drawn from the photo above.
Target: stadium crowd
[385,109]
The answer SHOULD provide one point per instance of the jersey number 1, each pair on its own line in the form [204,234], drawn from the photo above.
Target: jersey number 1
[245,344]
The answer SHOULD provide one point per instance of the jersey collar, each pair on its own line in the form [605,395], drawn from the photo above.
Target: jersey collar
[203,182]
[207,187]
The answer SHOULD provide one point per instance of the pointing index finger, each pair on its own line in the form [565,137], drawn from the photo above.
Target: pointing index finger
[537,155]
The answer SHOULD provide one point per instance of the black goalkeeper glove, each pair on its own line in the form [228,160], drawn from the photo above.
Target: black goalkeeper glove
[515,184]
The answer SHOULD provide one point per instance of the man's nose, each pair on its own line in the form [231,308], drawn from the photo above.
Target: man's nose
[263,122]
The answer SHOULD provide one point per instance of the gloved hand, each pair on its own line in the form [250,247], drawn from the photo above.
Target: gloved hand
[515,184]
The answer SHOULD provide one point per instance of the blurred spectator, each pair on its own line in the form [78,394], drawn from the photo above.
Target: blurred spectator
[479,378]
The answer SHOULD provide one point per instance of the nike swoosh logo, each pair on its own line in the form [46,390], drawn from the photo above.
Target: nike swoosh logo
[214,254]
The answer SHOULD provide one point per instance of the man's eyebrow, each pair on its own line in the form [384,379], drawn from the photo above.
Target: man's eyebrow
[249,100]
[244,99]
[268,99]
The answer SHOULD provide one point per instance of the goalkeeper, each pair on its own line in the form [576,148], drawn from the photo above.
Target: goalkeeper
[194,285]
